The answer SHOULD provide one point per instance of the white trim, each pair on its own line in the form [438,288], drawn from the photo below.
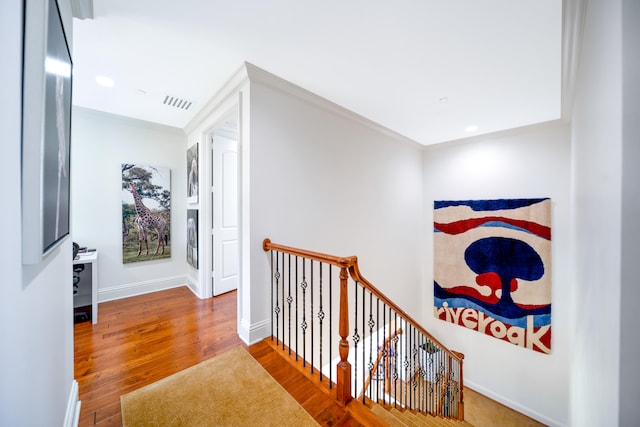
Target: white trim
[72,416]
[574,12]
[513,405]
[193,287]
[230,89]
[253,333]
[140,288]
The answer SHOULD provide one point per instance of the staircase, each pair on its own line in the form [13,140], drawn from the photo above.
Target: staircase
[387,369]
[404,418]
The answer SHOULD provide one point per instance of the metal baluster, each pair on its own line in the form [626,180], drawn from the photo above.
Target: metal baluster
[430,379]
[446,387]
[364,335]
[297,303]
[405,363]
[282,296]
[433,383]
[303,285]
[441,379]
[378,348]
[330,325]
[390,348]
[411,365]
[356,337]
[272,278]
[289,301]
[371,325]
[436,383]
[311,314]
[277,307]
[417,370]
[422,361]
[385,355]
[395,364]
[321,318]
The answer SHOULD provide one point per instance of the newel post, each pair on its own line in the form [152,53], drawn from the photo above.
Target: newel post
[343,375]
[461,397]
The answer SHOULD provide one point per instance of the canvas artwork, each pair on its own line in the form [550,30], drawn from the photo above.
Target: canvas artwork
[192,237]
[146,213]
[192,174]
[46,134]
[492,268]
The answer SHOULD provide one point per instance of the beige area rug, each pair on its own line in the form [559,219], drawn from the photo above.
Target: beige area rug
[231,389]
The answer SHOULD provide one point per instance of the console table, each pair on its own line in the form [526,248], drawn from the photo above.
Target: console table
[91,258]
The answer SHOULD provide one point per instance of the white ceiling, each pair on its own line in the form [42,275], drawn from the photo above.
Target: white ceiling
[425,69]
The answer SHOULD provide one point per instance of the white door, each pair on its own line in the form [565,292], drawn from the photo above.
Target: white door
[224,197]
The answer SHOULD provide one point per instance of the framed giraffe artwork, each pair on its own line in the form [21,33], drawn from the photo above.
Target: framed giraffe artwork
[46,132]
[192,174]
[146,213]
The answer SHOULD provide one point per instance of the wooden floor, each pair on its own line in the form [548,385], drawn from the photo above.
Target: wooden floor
[142,339]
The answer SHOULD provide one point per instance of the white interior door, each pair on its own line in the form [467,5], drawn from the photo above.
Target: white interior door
[224,197]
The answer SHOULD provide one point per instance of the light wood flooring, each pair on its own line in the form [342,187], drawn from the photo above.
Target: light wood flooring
[142,339]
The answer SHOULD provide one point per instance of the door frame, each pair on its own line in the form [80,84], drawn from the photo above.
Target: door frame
[232,110]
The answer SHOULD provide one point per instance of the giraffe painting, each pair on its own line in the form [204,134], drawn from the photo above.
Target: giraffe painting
[146,208]
[147,220]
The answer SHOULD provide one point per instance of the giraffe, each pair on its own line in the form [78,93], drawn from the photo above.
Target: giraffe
[145,220]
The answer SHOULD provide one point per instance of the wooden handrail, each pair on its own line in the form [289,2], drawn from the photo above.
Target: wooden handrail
[343,262]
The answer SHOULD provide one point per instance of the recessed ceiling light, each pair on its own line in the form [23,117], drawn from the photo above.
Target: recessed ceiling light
[105,81]
[471,128]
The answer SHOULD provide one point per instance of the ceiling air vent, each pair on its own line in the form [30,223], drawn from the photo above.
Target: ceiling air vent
[174,101]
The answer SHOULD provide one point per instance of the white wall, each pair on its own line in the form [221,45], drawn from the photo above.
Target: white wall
[598,159]
[324,180]
[101,143]
[630,292]
[36,315]
[523,163]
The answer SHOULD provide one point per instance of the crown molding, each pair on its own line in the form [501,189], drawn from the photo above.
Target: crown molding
[230,88]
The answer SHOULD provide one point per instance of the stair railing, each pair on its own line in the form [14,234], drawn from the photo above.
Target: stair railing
[382,357]
[411,370]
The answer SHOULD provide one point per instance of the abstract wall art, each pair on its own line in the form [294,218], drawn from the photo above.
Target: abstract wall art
[492,268]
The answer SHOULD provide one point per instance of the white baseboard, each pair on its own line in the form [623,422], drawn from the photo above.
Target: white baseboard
[193,288]
[72,416]
[513,405]
[140,288]
[254,333]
